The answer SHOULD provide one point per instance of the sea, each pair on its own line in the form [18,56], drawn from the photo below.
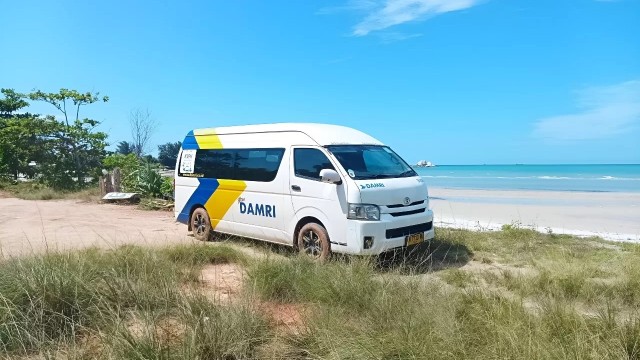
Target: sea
[590,178]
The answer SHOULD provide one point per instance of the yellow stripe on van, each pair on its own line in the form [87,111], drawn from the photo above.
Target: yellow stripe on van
[208,141]
[220,202]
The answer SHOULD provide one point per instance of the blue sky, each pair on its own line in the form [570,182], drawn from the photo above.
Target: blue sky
[451,81]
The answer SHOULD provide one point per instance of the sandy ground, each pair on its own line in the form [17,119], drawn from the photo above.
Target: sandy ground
[37,226]
[613,216]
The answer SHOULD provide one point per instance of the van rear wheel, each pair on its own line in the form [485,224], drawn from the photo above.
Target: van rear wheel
[313,240]
[201,224]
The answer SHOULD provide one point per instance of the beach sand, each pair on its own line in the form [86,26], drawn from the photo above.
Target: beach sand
[612,216]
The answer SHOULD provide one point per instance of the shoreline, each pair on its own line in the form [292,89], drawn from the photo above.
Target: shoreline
[612,216]
[536,190]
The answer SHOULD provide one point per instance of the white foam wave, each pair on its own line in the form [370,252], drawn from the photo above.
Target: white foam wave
[560,178]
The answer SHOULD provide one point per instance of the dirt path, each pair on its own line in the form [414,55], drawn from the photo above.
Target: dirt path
[37,226]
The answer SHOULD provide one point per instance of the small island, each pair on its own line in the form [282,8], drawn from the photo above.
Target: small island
[424,163]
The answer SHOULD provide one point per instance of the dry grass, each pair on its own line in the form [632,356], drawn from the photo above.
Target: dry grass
[511,294]
[36,191]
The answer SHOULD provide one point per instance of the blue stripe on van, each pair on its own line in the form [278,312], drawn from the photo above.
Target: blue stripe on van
[190,142]
[203,192]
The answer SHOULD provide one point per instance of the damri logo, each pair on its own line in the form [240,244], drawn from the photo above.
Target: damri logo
[371,186]
[258,209]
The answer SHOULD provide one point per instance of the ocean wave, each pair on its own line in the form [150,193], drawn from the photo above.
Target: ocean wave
[546,177]
[618,178]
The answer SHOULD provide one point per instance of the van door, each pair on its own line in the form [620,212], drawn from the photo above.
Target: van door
[312,197]
[257,210]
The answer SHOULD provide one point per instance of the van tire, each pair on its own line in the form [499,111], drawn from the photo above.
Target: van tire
[313,241]
[201,224]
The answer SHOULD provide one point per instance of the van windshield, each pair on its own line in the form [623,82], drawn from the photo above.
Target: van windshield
[364,162]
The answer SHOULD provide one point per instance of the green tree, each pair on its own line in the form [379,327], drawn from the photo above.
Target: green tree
[125,148]
[59,100]
[78,149]
[168,153]
[23,137]
[11,103]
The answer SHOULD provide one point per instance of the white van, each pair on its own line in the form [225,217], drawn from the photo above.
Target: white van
[320,188]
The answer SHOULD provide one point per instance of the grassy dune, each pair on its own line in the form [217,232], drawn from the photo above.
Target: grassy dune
[512,294]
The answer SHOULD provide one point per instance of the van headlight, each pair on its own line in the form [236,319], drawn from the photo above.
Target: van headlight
[363,212]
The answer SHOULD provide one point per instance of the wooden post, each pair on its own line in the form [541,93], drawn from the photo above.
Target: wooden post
[111,182]
[117,180]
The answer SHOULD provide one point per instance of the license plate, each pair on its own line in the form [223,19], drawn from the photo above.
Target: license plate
[415,239]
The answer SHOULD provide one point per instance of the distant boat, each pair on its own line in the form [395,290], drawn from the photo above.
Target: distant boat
[424,163]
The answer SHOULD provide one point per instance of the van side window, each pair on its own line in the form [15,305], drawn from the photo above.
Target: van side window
[258,164]
[215,164]
[307,163]
[238,164]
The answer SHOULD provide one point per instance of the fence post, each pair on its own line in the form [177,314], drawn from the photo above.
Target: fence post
[117,180]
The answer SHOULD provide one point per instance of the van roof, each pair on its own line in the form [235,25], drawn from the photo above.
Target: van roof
[323,134]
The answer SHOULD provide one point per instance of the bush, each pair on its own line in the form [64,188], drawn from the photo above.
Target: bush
[139,176]
[147,181]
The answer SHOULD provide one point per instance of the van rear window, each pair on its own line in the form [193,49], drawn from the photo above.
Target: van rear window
[237,164]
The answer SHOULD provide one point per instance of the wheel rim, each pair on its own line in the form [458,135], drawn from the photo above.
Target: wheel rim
[311,244]
[199,224]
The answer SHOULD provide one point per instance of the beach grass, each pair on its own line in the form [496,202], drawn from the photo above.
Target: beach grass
[37,191]
[514,294]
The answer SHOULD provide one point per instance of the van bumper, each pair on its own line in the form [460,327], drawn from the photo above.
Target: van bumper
[388,233]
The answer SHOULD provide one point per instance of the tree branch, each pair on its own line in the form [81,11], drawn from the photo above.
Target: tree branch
[64,102]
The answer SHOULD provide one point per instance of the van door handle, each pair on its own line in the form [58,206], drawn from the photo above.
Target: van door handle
[295,188]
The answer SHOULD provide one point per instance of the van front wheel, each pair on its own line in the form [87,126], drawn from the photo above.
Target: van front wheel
[313,240]
[201,224]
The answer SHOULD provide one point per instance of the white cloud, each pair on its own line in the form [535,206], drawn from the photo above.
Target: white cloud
[357,5]
[391,37]
[604,112]
[383,14]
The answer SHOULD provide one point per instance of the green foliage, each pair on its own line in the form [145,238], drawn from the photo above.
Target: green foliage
[59,100]
[127,163]
[24,139]
[167,186]
[11,103]
[66,153]
[147,181]
[79,151]
[140,176]
[125,148]
[168,153]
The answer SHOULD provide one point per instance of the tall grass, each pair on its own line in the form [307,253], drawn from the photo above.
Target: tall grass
[37,191]
[569,303]
[57,301]
[513,294]
[359,315]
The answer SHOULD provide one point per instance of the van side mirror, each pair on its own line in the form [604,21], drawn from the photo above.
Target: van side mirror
[330,176]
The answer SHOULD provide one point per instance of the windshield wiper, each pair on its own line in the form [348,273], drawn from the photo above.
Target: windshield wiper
[381,176]
[408,173]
